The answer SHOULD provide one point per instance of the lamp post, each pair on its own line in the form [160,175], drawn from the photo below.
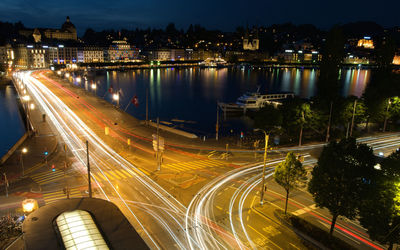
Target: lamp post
[386,115]
[265,160]
[23,151]
[94,87]
[116,98]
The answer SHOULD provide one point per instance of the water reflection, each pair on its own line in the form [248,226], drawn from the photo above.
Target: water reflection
[11,124]
[192,94]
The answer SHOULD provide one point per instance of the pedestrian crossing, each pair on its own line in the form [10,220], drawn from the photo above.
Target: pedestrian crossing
[57,195]
[111,175]
[193,165]
[48,177]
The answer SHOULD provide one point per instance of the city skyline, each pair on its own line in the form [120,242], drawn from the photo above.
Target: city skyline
[225,16]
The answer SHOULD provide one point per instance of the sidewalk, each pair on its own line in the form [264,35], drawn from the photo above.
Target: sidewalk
[37,144]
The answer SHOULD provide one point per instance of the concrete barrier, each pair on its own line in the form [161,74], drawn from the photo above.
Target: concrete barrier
[13,148]
[174,130]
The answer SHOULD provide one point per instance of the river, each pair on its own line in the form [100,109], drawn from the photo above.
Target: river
[187,97]
[11,125]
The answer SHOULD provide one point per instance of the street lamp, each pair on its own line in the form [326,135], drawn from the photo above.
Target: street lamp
[32,106]
[386,115]
[116,98]
[265,160]
[23,151]
[94,87]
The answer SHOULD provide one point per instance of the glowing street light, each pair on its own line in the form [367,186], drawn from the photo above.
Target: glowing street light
[59,72]
[78,79]
[116,98]
[265,160]
[94,87]
[32,106]
[26,97]
[23,151]
[29,205]
[67,75]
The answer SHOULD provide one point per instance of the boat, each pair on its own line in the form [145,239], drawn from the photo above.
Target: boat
[213,63]
[254,101]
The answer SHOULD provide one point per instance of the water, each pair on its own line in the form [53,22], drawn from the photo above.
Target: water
[11,125]
[191,94]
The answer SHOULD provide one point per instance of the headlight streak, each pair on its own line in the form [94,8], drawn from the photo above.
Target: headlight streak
[164,196]
[197,210]
[201,206]
[63,133]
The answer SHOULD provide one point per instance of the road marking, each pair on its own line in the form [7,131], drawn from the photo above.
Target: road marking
[304,210]
[109,176]
[58,195]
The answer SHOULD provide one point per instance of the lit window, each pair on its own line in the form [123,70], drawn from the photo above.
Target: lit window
[79,231]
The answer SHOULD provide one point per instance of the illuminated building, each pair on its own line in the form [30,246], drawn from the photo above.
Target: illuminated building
[30,56]
[396,60]
[121,50]
[67,32]
[250,41]
[79,223]
[63,54]
[366,42]
[90,54]
[6,56]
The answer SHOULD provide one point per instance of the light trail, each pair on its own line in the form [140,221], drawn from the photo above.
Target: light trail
[75,132]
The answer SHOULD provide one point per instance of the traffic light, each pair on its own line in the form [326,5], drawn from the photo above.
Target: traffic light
[53,168]
[46,153]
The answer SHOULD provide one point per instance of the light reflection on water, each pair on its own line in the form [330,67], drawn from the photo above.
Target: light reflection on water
[191,94]
[11,124]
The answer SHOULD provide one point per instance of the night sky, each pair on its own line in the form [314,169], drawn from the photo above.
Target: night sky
[224,15]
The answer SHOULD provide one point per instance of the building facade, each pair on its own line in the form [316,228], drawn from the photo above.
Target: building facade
[121,50]
[67,32]
[90,54]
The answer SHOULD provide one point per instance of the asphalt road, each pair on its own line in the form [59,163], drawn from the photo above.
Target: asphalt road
[194,201]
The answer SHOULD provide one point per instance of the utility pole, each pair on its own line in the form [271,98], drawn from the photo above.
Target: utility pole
[329,123]
[88,169]
[65,170]
[147,106]
[301,128]
[352,119]
[158,145]
[386,116]
[263,173]
[217,125]
[6,183]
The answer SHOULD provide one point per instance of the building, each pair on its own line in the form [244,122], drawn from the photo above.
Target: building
[121,50]
[67,32]
[90,54]
[30,56]
[177,54]
[78,223]
[396,60]
[300,56]
[366,43]
[63,54]
[251,41]
[6,56]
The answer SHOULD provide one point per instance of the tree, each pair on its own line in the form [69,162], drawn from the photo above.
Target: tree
[342,171]
[380,209]
[297,115]
[288,173]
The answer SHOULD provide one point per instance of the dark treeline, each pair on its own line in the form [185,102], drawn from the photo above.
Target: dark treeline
[329,115]
[272,38]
